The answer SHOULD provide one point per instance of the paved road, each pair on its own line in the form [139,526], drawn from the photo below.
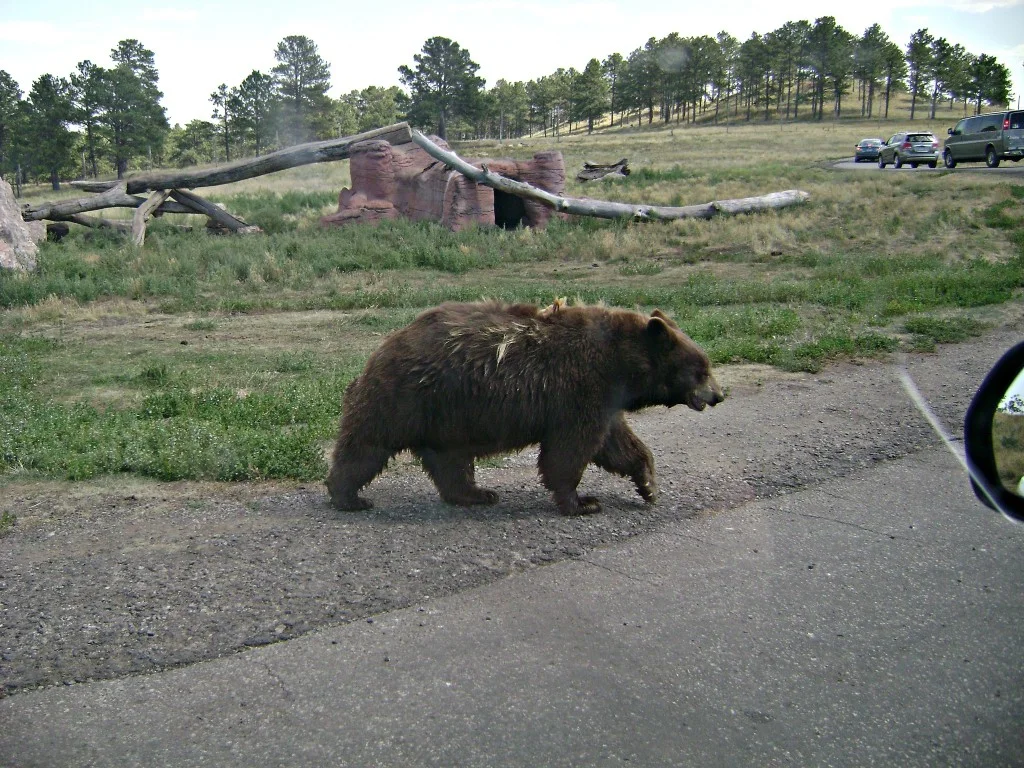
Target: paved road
[854,605]
[873,619]
[1006,168]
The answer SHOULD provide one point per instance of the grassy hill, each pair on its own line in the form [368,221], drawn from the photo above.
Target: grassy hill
[222,357]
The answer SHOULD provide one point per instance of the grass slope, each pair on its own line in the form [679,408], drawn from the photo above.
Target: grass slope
[225,358]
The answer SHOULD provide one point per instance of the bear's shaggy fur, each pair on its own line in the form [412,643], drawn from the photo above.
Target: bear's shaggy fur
[464,381]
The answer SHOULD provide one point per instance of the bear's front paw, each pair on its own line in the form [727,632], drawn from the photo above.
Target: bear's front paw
[471,497]
[580,505]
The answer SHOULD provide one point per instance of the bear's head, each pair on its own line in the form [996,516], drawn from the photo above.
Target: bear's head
[680,371]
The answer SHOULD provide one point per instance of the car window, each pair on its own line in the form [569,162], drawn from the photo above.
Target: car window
[1016,120]
[992,122]
[920,137]
[972,125]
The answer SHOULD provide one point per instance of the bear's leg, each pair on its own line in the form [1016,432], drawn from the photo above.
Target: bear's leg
[561,466]
[454,476]
[623,453]
[350,471]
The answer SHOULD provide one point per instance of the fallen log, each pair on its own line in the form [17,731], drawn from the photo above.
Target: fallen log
[125,193]
[95,222]
[115,197]
[602,208]
[592,171]
[216,213]
[290,157]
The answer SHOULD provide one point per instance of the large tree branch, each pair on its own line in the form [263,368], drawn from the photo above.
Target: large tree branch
[290,157]
[122,193]
[114,197]
[602,208]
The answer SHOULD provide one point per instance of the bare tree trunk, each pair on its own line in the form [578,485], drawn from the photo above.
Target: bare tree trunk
[122,194]
[302,154]
[601,208]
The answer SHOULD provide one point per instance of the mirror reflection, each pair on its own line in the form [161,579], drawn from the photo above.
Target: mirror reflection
[1008,437]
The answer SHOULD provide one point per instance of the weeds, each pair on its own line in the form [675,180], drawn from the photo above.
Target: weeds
[207,357]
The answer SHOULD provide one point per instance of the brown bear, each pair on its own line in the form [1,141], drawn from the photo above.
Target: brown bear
[464,381]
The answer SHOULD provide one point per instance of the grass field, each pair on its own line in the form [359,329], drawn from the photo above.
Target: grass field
[224,358]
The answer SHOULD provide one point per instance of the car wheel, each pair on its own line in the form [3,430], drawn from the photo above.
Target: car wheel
[913,165]
[897,162]
[991,158]
[947,158]
[933,163]
[881,162]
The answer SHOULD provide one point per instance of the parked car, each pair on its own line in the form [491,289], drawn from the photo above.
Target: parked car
[912,147]
[867,149]
[990,137]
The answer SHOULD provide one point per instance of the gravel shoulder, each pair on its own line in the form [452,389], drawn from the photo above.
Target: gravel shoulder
[123,576]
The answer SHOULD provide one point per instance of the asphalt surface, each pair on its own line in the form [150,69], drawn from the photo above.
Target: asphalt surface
[1006,168]
[817,586]
[874,619]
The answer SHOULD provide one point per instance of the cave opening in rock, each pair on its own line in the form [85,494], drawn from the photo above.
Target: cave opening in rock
[509,210]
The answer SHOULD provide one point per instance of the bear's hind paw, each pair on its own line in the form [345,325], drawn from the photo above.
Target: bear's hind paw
[352,504]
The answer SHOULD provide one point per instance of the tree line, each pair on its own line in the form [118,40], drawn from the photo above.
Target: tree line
[102,120]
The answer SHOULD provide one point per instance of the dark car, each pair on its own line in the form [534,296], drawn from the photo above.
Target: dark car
[911,147]
[867,149]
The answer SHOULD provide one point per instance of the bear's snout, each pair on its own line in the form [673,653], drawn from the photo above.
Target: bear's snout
[709,394]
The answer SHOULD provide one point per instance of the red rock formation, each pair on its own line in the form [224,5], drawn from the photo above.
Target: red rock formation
[391,181]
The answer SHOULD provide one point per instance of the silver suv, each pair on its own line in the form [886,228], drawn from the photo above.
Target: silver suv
[911,147]
[991,137]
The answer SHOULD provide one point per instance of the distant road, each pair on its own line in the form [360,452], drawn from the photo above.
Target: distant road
[1006,168]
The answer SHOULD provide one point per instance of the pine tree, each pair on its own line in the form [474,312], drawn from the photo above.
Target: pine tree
[894,70]
[49,112]
[225,104]
[254,110]
[10,98]
[724,76]
[612,68]
[939,70]
[541,96]
[301,80]
[592,94]
[990,82]
[133,119]
[919,62]
[87,98]
[444,84]
[869,65]
[376,107]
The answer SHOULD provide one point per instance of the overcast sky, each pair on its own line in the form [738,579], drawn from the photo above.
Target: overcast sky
[199,45]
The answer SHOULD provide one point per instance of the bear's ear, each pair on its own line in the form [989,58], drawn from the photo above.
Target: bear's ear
[659,331]
[668,320]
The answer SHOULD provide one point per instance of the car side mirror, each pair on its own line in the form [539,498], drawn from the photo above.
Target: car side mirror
[994,436]
[949,131]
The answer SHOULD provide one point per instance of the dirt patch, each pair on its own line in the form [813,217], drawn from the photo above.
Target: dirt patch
[122,575]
